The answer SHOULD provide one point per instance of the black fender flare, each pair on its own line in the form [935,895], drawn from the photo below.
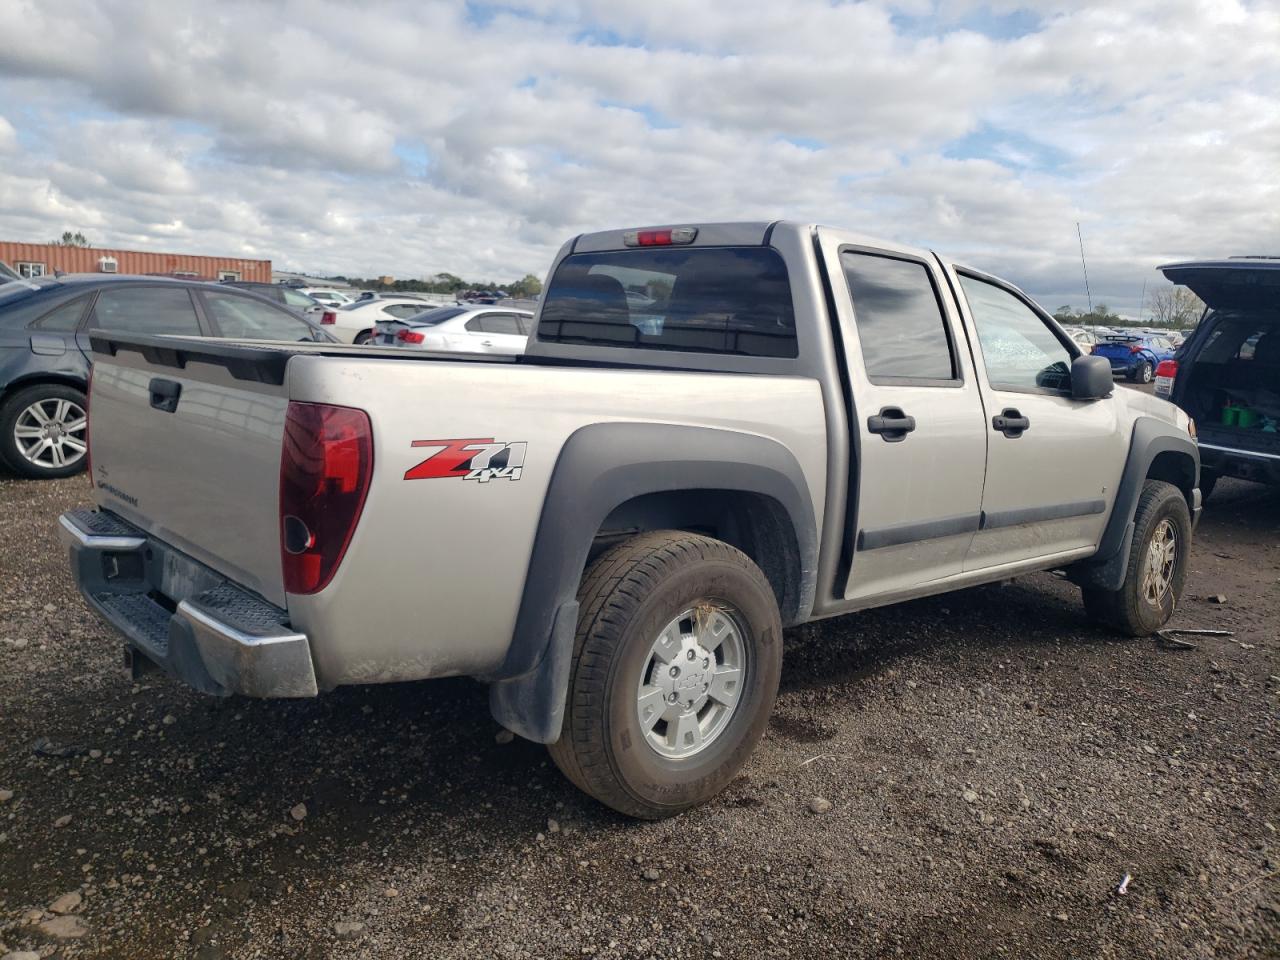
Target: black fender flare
[600,467]
[1150,438]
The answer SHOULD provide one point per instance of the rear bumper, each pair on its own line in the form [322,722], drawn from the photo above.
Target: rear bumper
[189,620]
[1256,465]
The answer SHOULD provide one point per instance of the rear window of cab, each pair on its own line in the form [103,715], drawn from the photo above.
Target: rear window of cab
[727,300]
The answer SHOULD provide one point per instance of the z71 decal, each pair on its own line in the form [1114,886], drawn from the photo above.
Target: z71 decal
[477,459]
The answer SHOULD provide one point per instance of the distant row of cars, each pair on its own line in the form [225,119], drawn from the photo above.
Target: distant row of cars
[46,325]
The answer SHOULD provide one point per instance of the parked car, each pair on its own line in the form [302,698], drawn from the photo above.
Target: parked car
[1227,374]
[333,299]
[1083,336]
[1135,355]
[45,326]
[287,296]
[613,529]
[356,322]
[468,329]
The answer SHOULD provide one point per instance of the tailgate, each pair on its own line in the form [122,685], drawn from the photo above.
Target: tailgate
[1114,351]
[188,449]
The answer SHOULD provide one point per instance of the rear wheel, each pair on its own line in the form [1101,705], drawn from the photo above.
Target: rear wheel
[44,431]
[364,336]
[676,666]
[1157,566]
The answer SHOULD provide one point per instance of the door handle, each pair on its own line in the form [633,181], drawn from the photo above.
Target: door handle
[165,394]
[1011,422]
[486,343]
[891,423]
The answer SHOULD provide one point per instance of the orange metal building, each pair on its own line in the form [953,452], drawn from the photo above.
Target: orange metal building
[43,259]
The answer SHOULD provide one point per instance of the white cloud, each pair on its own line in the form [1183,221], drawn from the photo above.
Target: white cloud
[417,137]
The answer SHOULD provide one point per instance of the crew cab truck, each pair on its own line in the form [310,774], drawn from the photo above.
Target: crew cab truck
[718,430]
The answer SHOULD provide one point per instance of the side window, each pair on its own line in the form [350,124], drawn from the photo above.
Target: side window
[1020,351]
[153,310]
[65,319]
[495,323]
[526,324]
[299,301]
[243,318]
[900,323]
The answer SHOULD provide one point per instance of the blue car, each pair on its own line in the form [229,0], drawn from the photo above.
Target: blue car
[1136,355]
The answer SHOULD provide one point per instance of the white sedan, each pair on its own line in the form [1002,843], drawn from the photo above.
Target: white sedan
[355,322]
[471,328]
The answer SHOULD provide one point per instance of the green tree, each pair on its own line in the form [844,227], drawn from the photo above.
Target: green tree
[529,286]
[69,239]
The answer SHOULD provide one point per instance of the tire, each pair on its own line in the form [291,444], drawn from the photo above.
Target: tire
[1143,374]
[1208,480]
[27,455]
[631,598]
[1130,610]
[362,337]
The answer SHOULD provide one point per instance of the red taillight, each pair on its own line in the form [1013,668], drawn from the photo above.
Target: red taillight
[328,317]
[409,336]
[325,466]
[1135,349]
[1167,368]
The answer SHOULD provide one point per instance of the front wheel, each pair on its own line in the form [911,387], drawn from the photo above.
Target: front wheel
[363,337]
[676,666]
[44,431]
[1157,566]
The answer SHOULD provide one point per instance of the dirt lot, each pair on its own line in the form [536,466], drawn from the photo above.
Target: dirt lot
[996,767]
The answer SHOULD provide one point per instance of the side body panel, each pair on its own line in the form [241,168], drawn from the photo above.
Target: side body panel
[433,578]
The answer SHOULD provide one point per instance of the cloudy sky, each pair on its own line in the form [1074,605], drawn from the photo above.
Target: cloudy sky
[414,137]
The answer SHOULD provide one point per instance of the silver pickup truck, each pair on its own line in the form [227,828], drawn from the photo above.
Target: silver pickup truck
[719,430]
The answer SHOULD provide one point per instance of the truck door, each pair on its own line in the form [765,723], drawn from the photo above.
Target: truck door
[1053,463]
[919,436]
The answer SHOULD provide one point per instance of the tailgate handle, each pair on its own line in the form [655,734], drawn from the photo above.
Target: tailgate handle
[165,393]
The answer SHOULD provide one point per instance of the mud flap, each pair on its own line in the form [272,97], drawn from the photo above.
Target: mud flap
[532,704]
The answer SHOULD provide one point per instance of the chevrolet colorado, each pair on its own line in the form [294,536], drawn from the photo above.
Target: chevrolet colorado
[719,430]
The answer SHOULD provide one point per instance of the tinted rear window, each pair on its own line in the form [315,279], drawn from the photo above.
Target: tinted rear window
[734,300]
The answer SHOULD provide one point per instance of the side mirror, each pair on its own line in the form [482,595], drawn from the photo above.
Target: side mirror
[1091,378]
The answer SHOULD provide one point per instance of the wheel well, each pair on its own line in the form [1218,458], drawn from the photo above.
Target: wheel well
[756,524]
[1176,468]
[31,380]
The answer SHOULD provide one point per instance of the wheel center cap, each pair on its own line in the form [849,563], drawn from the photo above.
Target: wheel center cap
[688,677]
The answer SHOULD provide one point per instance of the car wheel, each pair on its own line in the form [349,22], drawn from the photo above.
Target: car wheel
[1157,566]
[362,337]
[1144,374]
[676,664]
[44,431]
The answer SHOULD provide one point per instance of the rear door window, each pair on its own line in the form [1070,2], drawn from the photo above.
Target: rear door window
[729,300]
[149,310]
[244,318]
[899,318]
[65,319]
[504,323]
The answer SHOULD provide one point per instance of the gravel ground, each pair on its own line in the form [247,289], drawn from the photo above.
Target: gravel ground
[995,768]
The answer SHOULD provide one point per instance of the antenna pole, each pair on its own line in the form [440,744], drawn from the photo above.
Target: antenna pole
[1084,266]
[1142,300]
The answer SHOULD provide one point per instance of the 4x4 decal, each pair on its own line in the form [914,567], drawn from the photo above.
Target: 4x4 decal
[474,459]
